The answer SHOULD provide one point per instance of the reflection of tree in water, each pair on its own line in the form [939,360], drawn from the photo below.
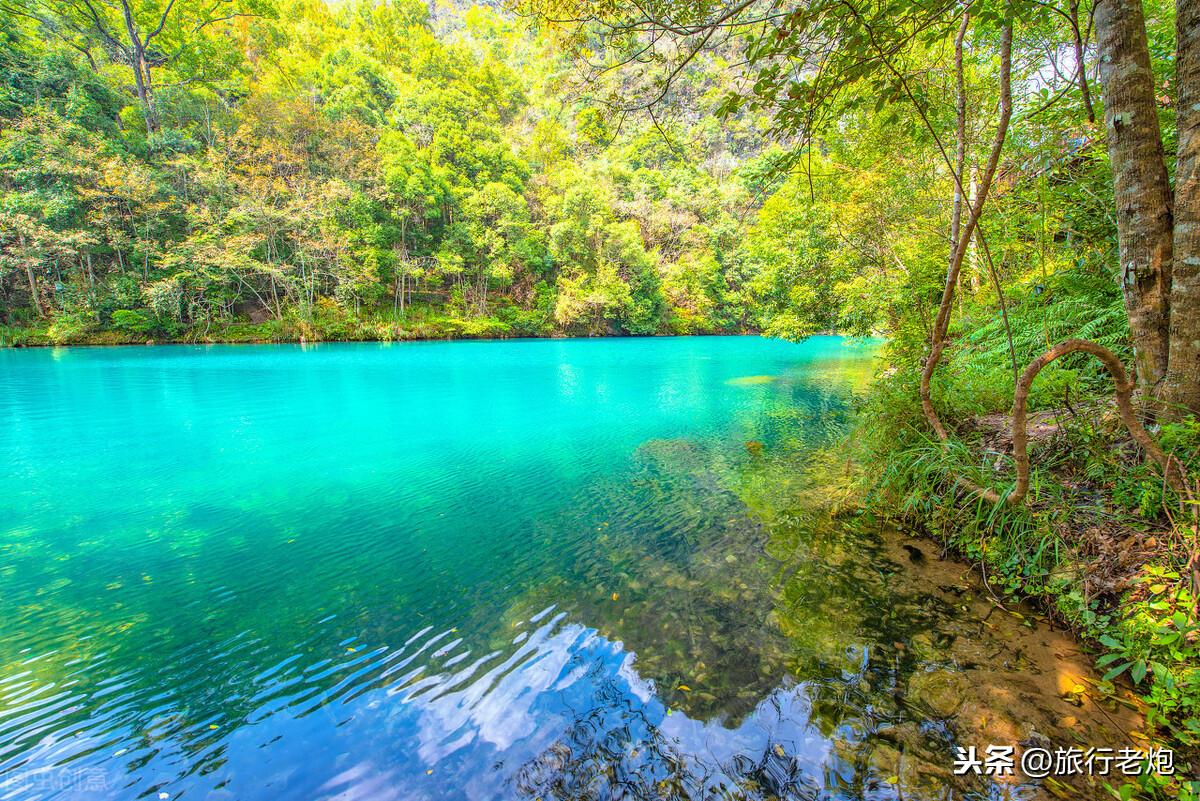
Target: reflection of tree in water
[723,619]
[615,751]
[686,563]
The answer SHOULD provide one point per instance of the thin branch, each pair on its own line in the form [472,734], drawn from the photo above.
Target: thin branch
[161,22]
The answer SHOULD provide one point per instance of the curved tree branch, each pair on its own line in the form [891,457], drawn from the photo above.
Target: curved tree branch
[1172,470]
[942,323]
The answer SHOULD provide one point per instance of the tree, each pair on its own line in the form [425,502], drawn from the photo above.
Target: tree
[492,237]
[145,35]
[1143,194]
[1183,366]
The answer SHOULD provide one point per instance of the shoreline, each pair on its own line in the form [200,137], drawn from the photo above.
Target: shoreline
[114,339]
[135,343]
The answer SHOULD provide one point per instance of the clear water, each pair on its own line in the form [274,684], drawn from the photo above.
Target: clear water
[472,570]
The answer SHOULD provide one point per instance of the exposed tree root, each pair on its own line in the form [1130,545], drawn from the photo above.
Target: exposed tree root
[1173,471]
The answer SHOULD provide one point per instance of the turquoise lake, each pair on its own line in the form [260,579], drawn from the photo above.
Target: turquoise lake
[469,570]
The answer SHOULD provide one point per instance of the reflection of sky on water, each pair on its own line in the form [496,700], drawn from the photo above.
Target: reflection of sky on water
[563,703]
[482,729]
[478,727]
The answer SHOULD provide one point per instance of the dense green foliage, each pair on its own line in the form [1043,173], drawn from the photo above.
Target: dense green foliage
[365,171]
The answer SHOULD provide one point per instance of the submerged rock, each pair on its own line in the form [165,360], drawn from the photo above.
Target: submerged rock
[939,693]
[884,760]
[750,380]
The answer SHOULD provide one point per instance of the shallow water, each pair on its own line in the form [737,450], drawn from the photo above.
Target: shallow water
[472,570]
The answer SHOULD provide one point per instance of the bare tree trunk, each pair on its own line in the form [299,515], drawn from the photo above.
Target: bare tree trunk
[1085,91]
[1143,195]
[141,70]
[1182,387]
[32,279]
[33,290]
[941,324]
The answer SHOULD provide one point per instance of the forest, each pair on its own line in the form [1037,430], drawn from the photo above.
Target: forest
[1005,192]
[366,171]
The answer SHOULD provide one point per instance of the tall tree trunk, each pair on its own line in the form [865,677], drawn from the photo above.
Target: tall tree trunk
[141,69]
[1143,195]
[1085,92]
[147,91]
[941,325]
[1182,387]
[143,93]
[34,293]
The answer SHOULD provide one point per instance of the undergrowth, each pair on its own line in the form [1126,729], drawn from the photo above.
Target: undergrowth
[1102,544]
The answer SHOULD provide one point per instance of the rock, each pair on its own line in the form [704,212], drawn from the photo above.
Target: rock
[940,693]
[906,736]
[922,645]
[846,752]
[920,778]
[916,776]
[884,760]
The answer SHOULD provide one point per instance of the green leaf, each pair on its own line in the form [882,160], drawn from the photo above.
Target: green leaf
[1117,671]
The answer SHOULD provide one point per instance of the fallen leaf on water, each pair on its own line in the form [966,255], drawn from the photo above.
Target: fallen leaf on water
[780,752]
[429,772]
[212,726]
[351,650]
